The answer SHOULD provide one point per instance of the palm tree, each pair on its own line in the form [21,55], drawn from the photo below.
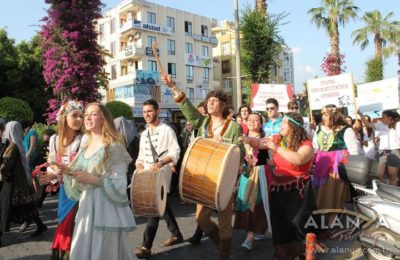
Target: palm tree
[261,5]
[330,15]
[382,29]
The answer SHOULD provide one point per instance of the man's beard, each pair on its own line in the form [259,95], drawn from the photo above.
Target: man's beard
[153,119]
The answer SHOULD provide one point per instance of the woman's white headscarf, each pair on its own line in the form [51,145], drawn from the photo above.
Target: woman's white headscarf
[127,128]
[13,133]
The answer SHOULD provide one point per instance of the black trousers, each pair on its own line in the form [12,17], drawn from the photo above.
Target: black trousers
[152,226]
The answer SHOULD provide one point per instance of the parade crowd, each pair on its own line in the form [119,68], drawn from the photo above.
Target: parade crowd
[288,169]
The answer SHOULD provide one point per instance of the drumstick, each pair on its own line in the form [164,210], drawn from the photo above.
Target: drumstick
[160,66]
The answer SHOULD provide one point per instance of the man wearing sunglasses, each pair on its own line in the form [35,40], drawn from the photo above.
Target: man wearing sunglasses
[293,106]
[273,124]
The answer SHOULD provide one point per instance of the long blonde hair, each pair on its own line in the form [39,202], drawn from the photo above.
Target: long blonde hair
[109,131]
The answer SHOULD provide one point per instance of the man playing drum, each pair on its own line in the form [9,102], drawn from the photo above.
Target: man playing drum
[218,126]
[158,149]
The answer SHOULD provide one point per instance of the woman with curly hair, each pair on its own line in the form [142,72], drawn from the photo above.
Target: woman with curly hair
[289,192]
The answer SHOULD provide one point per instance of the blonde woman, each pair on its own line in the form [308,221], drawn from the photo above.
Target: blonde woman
[97,178]
[63,147]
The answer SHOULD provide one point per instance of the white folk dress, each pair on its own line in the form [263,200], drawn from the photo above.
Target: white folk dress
[104,218]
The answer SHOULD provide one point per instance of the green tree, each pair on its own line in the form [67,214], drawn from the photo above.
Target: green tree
[330,15]
[9,75]
[15,109]
[31,86]
[382,30]
[374,71]
[260,43]
[118,108]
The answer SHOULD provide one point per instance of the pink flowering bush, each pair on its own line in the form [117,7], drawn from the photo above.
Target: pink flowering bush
[333,65]
[72,62]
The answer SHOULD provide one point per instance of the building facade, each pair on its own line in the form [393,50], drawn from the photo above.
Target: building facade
[184,42]
[225,62]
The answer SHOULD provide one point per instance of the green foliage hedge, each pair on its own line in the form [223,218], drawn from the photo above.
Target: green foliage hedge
[15,109]
[118,108]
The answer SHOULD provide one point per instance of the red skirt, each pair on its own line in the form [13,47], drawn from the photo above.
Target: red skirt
[63,235]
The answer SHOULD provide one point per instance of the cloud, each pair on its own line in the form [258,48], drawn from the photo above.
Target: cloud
[305,69]
[296,50]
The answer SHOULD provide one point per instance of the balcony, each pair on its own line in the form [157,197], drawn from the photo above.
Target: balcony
[131,52]
[139,25]
[212,40]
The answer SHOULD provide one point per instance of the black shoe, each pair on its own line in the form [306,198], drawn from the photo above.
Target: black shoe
[196,238]
[39,230]
[24,226]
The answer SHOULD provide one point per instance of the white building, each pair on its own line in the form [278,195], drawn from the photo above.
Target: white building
[185,44]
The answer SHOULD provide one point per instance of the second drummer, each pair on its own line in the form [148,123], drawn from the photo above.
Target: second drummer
[219,126]
[158,148]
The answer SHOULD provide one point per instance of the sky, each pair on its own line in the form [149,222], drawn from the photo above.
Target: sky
[309,43]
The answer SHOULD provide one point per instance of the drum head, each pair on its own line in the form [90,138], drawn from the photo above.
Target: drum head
[148,193]
[227,177]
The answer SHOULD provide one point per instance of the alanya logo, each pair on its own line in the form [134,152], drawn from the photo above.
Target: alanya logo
[346,223]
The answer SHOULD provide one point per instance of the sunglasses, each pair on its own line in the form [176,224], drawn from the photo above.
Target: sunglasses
[270,108]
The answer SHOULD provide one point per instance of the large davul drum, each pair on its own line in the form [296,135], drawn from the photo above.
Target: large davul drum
[209,172]
[148,193]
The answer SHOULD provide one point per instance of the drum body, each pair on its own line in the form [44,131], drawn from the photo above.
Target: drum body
[148,193]
[209,172]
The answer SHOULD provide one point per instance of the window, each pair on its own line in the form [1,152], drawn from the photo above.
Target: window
[225,48]
[112,48]
[188,28]
[227,84]
[204,51]
[101,32]
[191,94]
[189,72]
[204,30]
[274,70]
[171,23]
[171,47]
[172,69]
[151,18]
[206,74]
[150,40]
[113,72]
[152,65]
[188,47]
[226,66]
[112,26]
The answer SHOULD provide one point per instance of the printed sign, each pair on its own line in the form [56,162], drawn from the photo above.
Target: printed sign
[385,92]
[261,92]
[337,90]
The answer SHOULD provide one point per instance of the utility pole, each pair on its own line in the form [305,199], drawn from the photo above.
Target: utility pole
[237,93]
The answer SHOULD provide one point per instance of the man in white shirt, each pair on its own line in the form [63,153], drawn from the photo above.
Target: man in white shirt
[159,148]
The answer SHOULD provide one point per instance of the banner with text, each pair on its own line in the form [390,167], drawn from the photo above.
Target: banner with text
[385,92]
[261,92]
[337,90]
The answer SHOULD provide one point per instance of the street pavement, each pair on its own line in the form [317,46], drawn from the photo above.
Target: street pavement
[22,246]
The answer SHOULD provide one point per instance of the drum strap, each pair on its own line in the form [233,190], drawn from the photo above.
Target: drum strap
[153,150]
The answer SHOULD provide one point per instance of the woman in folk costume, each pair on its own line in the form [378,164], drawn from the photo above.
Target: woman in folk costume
[332,140]
[97,178]
[252,193]
[291,197]
[63,147]
[16,180]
